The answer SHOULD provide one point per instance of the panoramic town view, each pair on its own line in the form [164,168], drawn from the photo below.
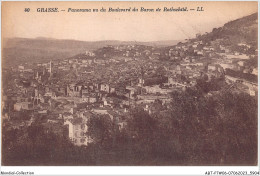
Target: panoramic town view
[189,102]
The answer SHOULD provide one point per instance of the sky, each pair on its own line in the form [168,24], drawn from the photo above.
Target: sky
[124,26]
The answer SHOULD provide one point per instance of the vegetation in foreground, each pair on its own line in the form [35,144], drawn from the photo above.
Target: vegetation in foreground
[194,130]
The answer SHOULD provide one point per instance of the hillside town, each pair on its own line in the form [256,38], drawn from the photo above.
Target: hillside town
[63,95]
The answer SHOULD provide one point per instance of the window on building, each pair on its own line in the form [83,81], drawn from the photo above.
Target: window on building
[82,126]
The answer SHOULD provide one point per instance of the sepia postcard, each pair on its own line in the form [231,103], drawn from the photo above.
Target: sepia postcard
[125,83]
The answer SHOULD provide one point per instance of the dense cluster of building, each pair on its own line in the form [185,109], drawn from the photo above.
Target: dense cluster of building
[63,95]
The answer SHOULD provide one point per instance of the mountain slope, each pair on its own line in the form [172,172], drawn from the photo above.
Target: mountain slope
[241,30]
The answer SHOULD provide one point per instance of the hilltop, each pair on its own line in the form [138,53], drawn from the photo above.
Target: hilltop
[243,30]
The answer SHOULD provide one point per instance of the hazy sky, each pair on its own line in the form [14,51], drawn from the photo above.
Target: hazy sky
[138,26]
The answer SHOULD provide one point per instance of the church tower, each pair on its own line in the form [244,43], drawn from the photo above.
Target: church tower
[51,69]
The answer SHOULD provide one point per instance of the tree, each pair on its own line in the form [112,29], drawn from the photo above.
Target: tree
[100,128]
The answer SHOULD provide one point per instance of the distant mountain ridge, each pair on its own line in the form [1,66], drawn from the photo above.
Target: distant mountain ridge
[63,43]
[20,50]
